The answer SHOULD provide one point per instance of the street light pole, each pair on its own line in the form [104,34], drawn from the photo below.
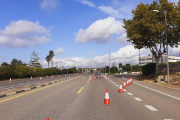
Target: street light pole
[34,57]
[131,62]
[166,43]
[109,59]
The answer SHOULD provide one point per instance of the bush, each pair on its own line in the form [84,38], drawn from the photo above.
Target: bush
[149,69]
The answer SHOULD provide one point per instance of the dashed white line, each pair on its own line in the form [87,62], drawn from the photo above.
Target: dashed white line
[157,91]
[129,93]
[151,108]
[138,99]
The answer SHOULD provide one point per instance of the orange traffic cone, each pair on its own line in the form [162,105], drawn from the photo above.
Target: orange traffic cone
[47,118]
[47,76]
[10,80]
[40,78]
[98,77]
[120,88]
[52,77]
[124,84]
[127,82]
[94,78]
[31,77]
[59,76]
[107,100]
[89,80]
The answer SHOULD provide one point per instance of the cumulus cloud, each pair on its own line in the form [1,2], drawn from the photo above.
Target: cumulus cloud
[49,4]
[59,51]
[121,56]
[23,33]
[90,4]
[122,39]
[100,31]
[111,11]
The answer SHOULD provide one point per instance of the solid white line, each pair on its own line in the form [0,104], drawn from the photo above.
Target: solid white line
[157,91]
[129,93]
[138,99]
[151,108]
[168,119]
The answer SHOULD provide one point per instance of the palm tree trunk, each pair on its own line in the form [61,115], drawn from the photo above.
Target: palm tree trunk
[48,64]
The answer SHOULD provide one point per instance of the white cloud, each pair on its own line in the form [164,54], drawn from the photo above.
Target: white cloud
[122,39]
[110,11]
[90,4]
[120,56]
[23,33]
[100,31]
[49,4]
[59,51]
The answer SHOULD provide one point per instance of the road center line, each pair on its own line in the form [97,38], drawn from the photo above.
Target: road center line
[157,91]
[151,108]
[80,90]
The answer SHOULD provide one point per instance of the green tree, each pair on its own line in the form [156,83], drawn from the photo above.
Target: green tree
[48,59]
[51,54]
[114,69]
[5,64]
[147,29]
[15,62]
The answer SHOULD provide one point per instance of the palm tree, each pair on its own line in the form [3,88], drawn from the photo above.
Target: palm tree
[48,59]
[51,54]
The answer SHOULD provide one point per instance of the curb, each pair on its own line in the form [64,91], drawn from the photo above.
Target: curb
[12,93]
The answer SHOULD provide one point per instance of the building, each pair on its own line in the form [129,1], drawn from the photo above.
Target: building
[163,59]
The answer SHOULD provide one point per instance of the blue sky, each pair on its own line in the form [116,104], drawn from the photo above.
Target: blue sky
[76,30]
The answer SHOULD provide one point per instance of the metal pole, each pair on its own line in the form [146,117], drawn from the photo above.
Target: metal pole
[167,48]
[34,59]
[131,62]
[109,61]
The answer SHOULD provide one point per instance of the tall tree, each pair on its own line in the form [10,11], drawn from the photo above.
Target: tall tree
[147,29]
[51,54]
[34,60]
[48,59]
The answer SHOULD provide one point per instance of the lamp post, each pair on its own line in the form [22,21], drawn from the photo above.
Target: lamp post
[109,59]
[105,63]
[131,62]
[34,58]
[166,44]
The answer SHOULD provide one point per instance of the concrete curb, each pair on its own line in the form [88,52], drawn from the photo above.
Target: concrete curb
[12,93]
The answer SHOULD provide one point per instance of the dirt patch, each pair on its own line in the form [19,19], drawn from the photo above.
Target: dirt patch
[174,81]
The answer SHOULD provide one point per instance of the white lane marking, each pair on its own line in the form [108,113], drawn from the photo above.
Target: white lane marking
[117,85]
[138,99]
[124,90]
[29,82]
[157,91]
[2,86]
[21,83]
[129,93]
[168,119]
[151,108]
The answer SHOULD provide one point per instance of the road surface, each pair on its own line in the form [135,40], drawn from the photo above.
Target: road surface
[80,99]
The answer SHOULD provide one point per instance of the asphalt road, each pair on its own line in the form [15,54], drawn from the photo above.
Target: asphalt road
[80,99]
[4,85]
